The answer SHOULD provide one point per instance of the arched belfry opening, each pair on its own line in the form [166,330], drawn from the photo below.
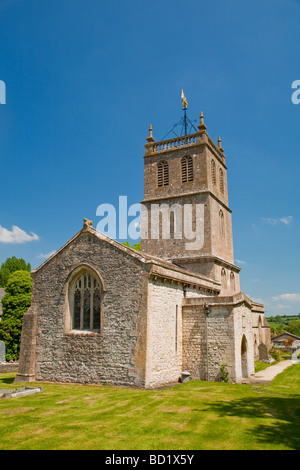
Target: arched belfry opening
[244,357]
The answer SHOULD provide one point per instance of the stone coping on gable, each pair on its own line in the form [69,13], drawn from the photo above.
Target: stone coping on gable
[220,301]
[188,279]
[172,271]
[209,259]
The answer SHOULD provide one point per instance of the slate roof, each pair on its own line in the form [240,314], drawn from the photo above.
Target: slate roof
[285,333]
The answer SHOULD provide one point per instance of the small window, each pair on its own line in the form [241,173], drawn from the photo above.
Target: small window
[223,279]
[85,303]
[187,170]
[232,281]
[222,224]
[162,174]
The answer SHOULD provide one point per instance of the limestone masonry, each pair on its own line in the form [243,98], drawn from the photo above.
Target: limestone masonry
[102,312]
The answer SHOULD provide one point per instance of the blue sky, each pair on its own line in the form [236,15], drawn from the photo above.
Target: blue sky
[84,79]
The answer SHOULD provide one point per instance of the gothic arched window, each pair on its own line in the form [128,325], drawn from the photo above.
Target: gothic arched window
[187,171]
[162,173]
[85,297]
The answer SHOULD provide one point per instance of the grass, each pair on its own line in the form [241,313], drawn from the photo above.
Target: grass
[195,415]
[263,365]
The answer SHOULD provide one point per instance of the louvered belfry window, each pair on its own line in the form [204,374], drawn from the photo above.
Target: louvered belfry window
[86,303]
[187,171]
[163,174]
[213,172]
[221,181]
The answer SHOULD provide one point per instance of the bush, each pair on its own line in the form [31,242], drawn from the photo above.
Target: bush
[224,376]
[276,354]
[16,301]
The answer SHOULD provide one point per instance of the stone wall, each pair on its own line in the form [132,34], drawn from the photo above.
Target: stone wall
[219,345]
[242,315]
[165,330]
[8,367]
[194,342]
[27,364]
[118,353]
[162,242]
[226,326]
[221,241]
[221,342]
[164,343]
[175,187]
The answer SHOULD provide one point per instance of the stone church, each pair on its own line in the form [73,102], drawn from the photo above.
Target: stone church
[102,312]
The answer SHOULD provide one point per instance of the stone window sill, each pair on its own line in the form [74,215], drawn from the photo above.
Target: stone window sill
[83,333]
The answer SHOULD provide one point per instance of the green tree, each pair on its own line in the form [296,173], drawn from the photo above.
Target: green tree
[126,244]
[16,301]
[294,327]
[137,246]
[10,266]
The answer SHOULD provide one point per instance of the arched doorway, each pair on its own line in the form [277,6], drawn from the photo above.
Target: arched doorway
[244,357]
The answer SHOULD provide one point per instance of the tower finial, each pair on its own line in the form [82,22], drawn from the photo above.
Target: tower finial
[219,144]
[150,138]
[202,127]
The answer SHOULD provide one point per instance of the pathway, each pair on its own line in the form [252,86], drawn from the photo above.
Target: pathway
[267,375]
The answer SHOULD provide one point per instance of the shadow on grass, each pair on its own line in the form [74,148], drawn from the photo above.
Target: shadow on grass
[283,431]
[7,380]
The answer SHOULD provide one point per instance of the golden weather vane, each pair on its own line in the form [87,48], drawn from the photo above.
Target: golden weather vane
[185,123]
[184,101]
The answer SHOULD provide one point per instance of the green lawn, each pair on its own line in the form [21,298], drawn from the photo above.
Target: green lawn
[262,365]
[195,415]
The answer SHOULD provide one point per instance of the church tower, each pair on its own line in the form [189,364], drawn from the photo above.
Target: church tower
[186,218]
